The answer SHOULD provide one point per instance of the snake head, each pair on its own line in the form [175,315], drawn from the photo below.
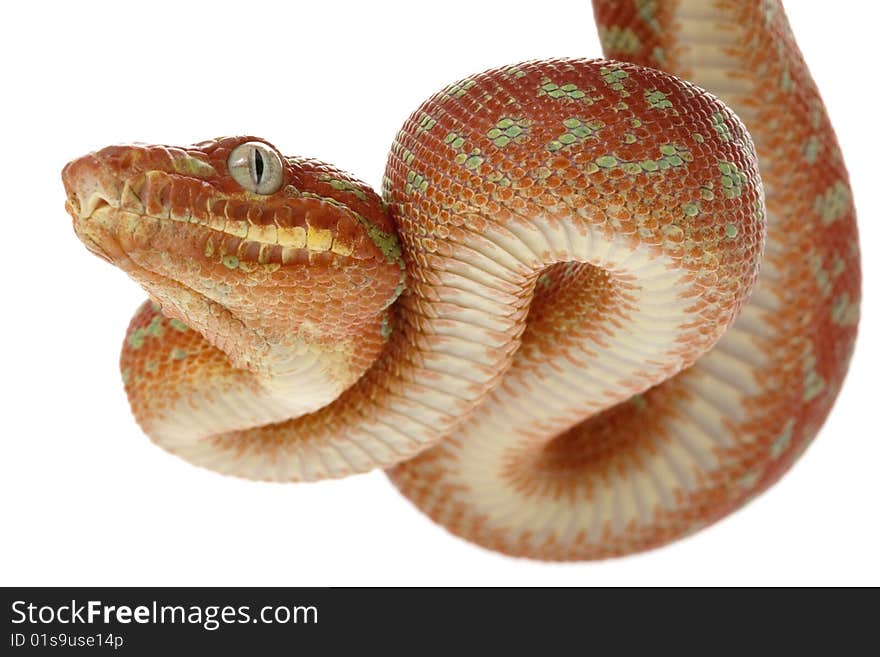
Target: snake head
[231,237]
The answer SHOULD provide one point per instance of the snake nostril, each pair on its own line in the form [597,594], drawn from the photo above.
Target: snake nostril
[93,203]
[88,186]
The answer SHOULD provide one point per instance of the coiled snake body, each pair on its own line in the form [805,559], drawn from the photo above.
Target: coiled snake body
[548,327]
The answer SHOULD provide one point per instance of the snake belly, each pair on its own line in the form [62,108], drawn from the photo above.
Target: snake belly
[551,326]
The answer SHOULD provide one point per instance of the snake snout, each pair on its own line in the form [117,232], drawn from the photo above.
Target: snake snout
[89,186]
[93,193]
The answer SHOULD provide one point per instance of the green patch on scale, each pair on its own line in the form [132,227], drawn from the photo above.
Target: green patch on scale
[343,186]
[568,90]
[192,166]
[691,209]
[639,402]
[415,181]
[657,99]
[833,203]
[671,155]
[471,160]
[647,10]
[385,328]
[154,329]
[613,75]
[619,40]
[513,71]
[811,149]
[177,325]
[506,130]
[576,130]
[454,140]
[732,179]
[459,89]
[814,384]
[845,311]
[426,122]
[719,124]
[387,243]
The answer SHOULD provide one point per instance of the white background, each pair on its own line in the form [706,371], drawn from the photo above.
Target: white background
[85,498]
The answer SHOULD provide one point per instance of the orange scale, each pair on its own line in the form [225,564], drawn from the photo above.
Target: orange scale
[249,251]
[237,210]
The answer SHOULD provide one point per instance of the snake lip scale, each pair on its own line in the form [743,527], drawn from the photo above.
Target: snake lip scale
[577,323]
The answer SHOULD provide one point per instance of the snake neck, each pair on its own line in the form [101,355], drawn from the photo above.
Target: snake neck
[298,370]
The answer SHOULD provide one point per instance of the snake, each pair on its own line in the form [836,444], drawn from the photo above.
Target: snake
[588,313]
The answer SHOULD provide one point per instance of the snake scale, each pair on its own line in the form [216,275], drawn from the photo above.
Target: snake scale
[574,325]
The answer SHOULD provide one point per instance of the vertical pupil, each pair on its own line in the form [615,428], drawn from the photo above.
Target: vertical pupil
[258,165]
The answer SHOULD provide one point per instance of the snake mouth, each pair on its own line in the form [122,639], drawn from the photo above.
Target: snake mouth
[97,224]
[116,216]
[166,200]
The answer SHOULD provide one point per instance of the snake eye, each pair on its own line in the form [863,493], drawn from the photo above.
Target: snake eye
[256,167]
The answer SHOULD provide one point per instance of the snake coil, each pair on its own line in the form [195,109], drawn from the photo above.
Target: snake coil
[550,327]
